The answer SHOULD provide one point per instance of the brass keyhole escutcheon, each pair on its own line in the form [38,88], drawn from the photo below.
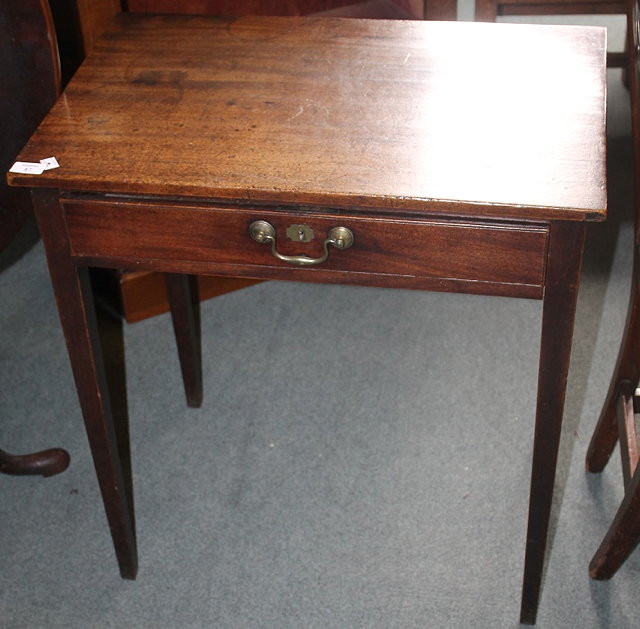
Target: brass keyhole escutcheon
[300,233]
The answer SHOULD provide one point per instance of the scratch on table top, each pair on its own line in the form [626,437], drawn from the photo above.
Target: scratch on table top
[298,113]
[309,103]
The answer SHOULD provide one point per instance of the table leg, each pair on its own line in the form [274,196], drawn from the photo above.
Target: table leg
[564,261]
[182,293]
[74,297]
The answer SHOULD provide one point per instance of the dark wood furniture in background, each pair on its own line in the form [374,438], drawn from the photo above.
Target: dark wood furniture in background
[202,159]
[390,9]
[141,294]
[30,85]
[617,423]
[489,10]
[403,9]
[43,463]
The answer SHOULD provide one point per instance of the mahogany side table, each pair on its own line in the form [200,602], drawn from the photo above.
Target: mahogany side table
[438,156]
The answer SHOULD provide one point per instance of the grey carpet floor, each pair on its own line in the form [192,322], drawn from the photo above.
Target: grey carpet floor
[361,458]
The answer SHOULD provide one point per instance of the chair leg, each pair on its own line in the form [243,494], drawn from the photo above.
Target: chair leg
[605,436]
[44,463]
[627,369]
[182,292]
[624,533]
[622,537]
[486,10]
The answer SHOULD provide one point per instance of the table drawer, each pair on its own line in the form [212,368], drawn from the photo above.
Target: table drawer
[431,253]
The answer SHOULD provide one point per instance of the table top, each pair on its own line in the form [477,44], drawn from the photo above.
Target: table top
[501,120]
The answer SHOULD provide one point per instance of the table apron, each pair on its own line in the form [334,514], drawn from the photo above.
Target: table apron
[431,253]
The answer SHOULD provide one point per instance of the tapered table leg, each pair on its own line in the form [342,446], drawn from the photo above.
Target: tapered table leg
[74,298]
[564,261]
[182,292]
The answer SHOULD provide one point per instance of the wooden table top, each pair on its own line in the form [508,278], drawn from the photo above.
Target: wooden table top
[499,120]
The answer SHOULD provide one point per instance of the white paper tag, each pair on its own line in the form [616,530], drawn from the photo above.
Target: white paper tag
[35,168]
[49,163]
[27,168]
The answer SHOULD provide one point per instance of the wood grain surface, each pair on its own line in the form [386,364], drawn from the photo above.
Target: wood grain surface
[487,119]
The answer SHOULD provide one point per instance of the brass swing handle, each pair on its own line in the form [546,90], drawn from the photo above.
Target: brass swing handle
[338,237]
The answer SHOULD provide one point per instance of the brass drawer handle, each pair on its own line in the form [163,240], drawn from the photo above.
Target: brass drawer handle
[338,237]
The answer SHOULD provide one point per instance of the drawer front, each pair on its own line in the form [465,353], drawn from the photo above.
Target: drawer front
[420,253]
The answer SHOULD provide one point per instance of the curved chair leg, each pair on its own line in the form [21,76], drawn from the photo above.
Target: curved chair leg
[605,436]
[44,463]
[617,421]
[627,369]
[623,534]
